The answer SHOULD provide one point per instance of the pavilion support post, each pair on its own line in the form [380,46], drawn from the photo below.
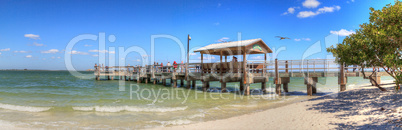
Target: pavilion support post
[108,77]
[164,82]
[247,89]
[285,81]
[154,81]
[314,85]
[138,79]
[202,69]
[285,87]
[171,80]
[263,84]
[264,87]
[205,86]
[223,87]
[309,89]
[247,85]
[278,89]
[241,86]
[277,79]
[287,67]
[221,68]
[174,83]
[146,79]
[311,83]
[188,84]
[193,83]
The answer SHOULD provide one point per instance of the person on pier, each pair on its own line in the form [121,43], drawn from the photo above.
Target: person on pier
[174,65]
[168,65]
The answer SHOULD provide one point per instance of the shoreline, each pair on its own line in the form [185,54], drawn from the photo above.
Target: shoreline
[356,108]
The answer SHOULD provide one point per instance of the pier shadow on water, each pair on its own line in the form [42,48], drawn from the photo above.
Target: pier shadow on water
[350,103]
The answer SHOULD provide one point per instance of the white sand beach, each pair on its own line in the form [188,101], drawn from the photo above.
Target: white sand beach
[361,108]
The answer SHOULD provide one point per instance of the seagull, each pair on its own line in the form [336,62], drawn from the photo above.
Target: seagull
[282,38]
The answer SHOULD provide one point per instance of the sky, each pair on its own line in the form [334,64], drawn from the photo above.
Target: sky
[37,34]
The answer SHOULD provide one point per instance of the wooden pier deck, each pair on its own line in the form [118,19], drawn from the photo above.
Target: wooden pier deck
[281,71]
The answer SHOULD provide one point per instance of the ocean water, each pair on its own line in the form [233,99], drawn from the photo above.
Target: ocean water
[57,99]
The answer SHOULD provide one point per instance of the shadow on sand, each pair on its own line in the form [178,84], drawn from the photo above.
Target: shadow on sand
[350,103]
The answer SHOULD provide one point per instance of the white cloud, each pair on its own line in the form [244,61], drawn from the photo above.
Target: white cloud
[138,60]
[86,45]
[58,57]
[95,55]
[297,40]
[305,14]
[20,51]
[328,9]
[32,36]
[50,51]
[311,4]
[7,49]
[291,10]
[192,54]
[53,57]
[74,52]
[28,56]
[223,39]
[217,23]
[307,39]
[112,52]
[37,44]
[0,53]
[343,32]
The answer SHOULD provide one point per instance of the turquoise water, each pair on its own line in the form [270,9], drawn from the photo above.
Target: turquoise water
[57,99]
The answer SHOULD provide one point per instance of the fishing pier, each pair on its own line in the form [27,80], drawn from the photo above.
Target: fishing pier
[244,72]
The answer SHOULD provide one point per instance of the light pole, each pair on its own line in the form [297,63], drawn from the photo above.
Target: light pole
[188,54]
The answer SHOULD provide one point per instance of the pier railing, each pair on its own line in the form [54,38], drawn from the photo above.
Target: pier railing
[282,66]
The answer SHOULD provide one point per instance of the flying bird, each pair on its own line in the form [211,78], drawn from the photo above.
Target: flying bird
[282,38]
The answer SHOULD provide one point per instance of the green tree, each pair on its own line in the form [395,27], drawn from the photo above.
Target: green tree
[375,44]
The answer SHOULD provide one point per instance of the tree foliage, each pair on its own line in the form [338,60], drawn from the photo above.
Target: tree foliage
[375,44]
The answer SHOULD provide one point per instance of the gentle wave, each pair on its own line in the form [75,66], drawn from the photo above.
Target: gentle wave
[24,108]
[129,108]
[196,116]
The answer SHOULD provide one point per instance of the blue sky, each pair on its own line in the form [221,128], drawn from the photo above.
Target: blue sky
[34,34]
